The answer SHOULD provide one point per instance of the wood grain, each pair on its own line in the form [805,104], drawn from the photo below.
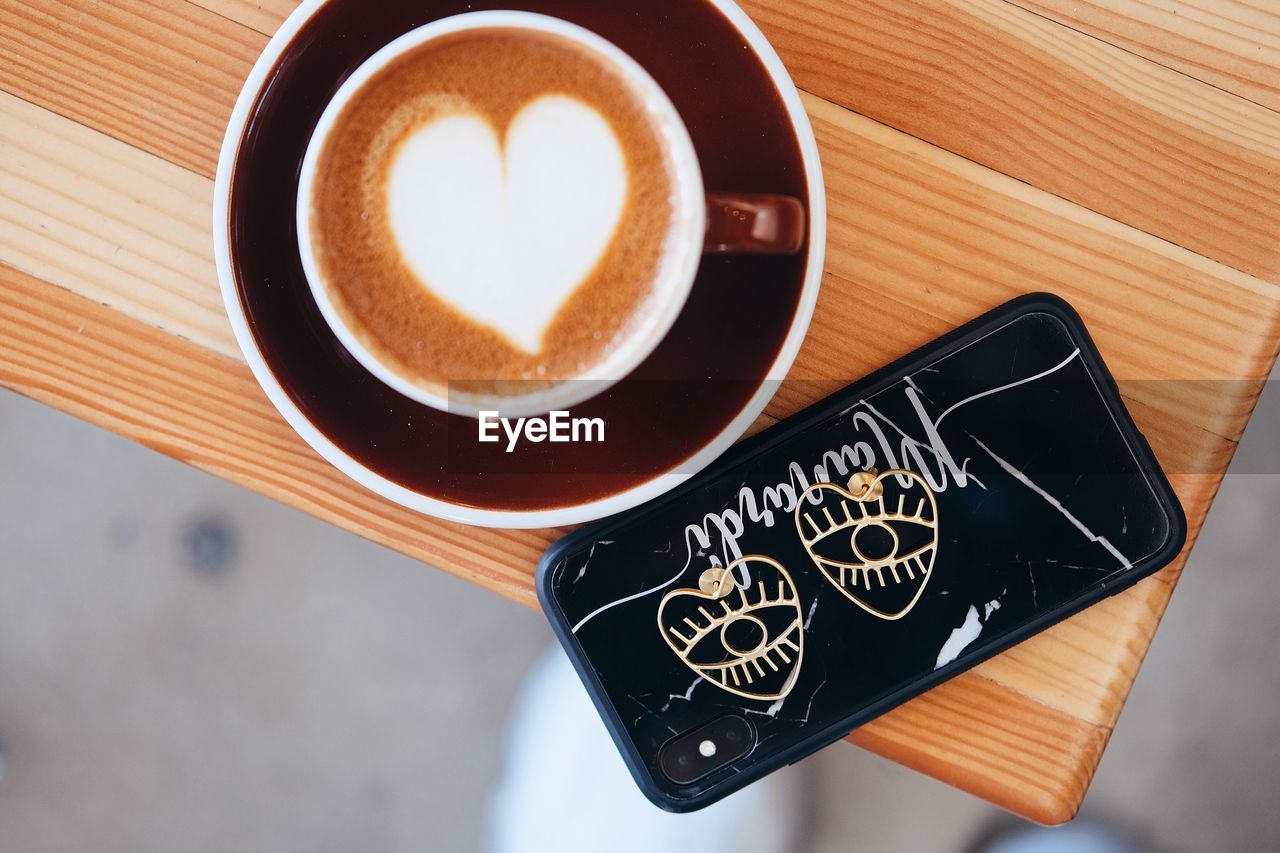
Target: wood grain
[996,83]
[111,222]
[264,17]
[960,733]
[109,306]
[1232,44]
[1053,107]
[161,75]
[921,240]
[205,409]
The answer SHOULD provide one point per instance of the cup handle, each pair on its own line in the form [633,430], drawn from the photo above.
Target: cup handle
[753,224]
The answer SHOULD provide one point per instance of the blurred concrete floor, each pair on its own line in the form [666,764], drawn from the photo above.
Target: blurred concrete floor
[185,666]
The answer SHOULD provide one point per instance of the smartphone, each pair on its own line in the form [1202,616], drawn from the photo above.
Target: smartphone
[860,552]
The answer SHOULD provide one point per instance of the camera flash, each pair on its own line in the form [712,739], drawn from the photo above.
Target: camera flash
[707,748]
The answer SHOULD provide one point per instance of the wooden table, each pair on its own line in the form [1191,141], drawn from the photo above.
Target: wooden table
[1122,153]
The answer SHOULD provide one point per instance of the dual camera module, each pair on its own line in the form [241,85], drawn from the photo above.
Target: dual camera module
[690,756]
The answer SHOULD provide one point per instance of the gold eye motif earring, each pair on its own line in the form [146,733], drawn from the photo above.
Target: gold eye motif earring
[875,541]
[741,629]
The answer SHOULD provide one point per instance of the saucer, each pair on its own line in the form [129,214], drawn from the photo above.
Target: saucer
[694,396]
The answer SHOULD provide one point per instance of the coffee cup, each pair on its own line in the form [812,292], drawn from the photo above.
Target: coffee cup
[704,385]
[480,239]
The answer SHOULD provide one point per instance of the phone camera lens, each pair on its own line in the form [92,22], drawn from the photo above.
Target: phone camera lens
[694,754]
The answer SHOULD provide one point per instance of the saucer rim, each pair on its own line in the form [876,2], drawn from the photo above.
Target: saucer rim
[553,516]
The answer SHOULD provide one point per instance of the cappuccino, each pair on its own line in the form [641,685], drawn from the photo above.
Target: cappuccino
[491,210]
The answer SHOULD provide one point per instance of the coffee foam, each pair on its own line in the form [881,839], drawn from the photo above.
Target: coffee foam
[466,208]
[505,233]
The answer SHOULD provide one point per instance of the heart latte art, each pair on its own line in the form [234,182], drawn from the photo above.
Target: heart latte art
[491,208]
[506,236]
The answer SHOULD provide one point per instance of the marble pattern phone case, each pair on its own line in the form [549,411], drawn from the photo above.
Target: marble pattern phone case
[865,549]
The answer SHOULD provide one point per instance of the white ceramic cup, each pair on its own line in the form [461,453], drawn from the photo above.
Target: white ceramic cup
[816,234]
[693,231]
[672,281]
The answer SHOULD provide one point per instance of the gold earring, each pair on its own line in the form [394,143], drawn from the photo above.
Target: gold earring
[740,630]
[876,540]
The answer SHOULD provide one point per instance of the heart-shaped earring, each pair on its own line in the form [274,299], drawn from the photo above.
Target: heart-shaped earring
[741,629]
[875,541]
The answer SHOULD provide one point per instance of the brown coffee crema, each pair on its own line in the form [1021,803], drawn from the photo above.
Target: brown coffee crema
[492,73]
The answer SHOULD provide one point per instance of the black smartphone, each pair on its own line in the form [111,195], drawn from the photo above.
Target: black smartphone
[860,552]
